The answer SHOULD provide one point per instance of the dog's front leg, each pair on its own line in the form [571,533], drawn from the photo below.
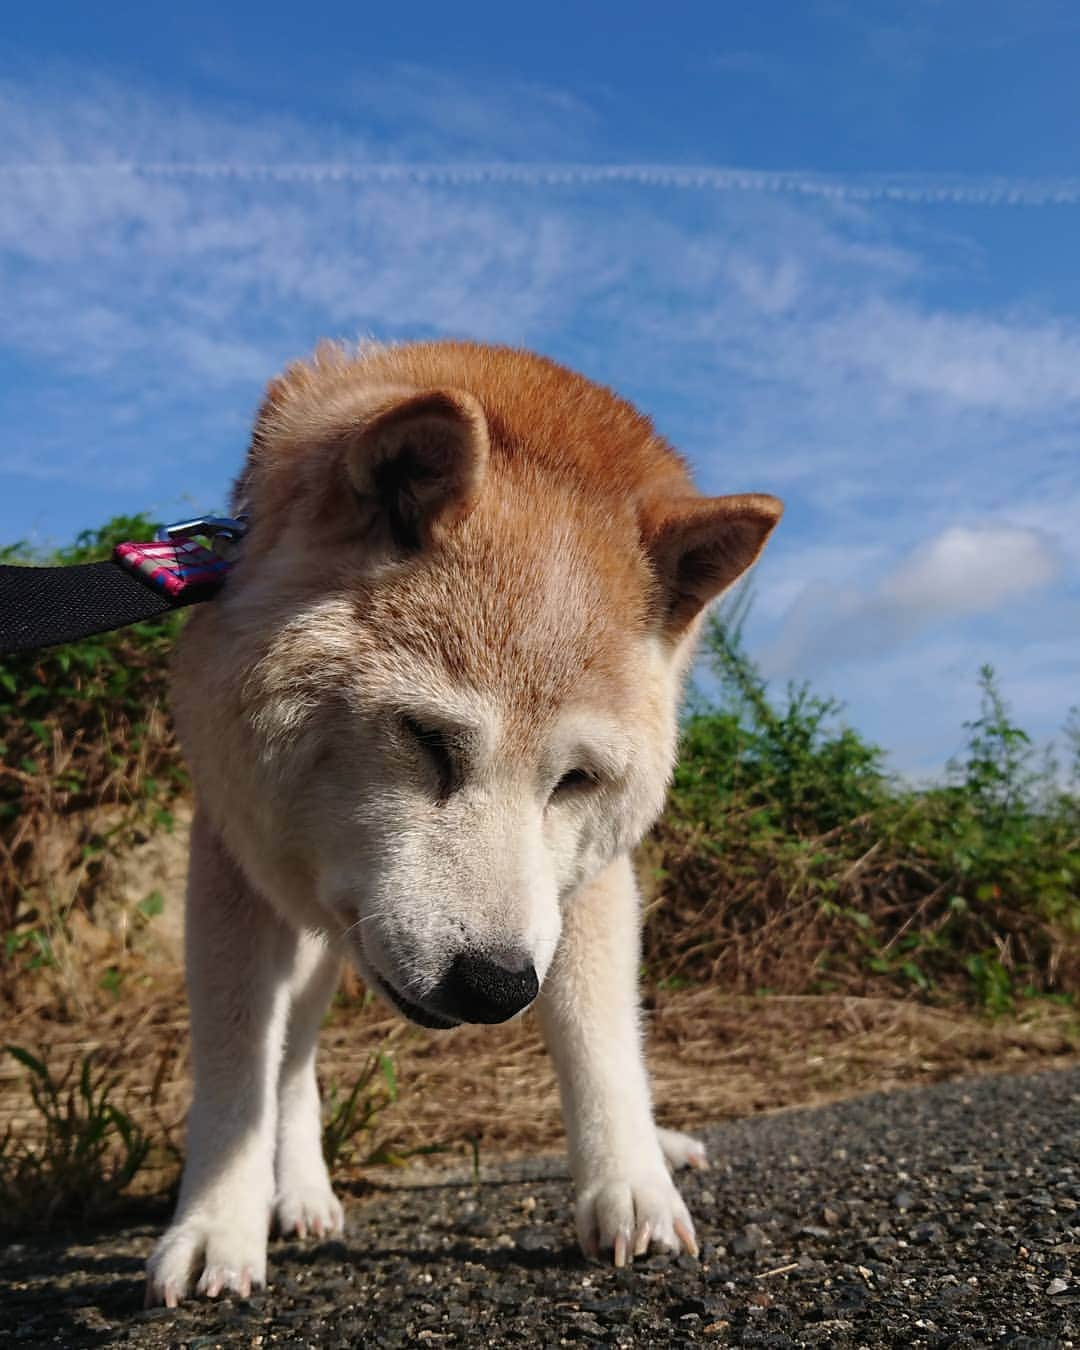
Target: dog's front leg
[589,1011]
[304,1201]
[240,958]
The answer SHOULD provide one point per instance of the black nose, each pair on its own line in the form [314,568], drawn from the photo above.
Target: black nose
[478,989]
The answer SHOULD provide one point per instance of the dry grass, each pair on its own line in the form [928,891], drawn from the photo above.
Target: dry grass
[712,1056]
[842,912]
[117,991]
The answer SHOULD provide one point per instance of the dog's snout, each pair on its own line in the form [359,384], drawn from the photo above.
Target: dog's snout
[478,988]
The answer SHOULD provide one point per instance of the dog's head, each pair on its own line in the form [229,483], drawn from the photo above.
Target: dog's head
[439,691]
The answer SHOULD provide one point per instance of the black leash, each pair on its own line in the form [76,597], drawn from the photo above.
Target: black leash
[45,606]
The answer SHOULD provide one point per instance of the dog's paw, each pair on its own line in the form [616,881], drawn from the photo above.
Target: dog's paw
[625,1216]
[308,1208]
[681,1150]
[214,1258]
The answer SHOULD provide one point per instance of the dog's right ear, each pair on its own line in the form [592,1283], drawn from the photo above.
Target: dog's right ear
[417,465]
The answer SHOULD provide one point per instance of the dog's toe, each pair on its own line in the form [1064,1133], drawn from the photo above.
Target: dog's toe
[224,1259]
[682,1150]
[311,1210]
[625,1218]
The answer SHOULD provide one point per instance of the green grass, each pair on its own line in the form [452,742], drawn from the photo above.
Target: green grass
[79,1164]
[348,1117]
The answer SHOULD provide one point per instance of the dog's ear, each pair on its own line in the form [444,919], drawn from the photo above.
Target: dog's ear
[417,465]
[700,545]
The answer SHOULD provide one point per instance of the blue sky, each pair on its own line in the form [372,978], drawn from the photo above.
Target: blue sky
[830,247]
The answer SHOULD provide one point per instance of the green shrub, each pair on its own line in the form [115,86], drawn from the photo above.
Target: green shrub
[791,860]
[82,727]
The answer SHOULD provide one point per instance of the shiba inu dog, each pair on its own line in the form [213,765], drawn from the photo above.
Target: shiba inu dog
[428,718]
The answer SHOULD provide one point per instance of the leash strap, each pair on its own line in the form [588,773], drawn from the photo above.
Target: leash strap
[46,606]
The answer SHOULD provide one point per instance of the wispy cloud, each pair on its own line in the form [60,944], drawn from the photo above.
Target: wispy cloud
[159,259]
[427,113]
[963,571]
[1015,365]
[901,188]
[971,569]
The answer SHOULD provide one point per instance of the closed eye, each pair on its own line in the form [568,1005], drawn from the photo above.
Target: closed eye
[575,781]
[440,752]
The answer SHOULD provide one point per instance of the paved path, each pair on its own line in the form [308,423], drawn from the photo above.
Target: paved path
[945,1217]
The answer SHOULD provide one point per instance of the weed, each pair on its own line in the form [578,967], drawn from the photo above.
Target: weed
[347,1118]
[85,1155]
[472,1142]
[993,983]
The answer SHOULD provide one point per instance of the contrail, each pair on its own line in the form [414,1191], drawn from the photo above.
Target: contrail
[916,189]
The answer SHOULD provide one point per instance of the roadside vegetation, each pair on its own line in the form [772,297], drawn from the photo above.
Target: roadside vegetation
[88,762]
[790,861]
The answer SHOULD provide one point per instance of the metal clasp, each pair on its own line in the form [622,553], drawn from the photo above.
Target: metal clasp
[223,531]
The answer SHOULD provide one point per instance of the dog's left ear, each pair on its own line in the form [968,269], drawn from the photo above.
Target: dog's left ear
[417,465]
[699,546]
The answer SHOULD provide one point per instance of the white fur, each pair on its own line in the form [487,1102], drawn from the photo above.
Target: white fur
[395,885]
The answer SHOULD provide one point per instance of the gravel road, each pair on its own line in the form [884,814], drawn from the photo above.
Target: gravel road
[945,1217]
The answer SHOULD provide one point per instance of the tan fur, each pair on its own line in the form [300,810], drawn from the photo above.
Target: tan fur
[475,540]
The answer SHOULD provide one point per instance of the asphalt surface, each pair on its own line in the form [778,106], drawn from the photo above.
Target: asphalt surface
[948,1216]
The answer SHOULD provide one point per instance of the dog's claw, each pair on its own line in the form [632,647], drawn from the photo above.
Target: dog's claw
[308,1211]
[170,1296]
[685,1234]
[622,1244]
[642,1238]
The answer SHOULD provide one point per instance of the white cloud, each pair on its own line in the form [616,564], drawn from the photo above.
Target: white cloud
[969,570]
[962,572]
[1017,366]
[272,166]
[772,288]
